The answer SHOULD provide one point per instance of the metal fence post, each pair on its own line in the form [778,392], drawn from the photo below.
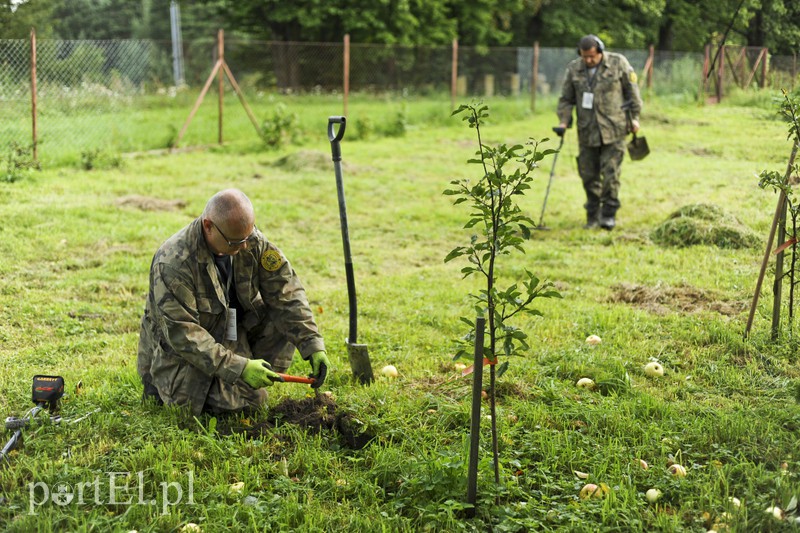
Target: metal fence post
[475,425]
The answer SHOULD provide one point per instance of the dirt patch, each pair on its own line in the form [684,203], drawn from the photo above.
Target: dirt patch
[317,414]
[662,299]
[305,160]
[704,224]
[147,203]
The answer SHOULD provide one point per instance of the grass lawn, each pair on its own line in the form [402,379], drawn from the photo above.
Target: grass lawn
[75,250]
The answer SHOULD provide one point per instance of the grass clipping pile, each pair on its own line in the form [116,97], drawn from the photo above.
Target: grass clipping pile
[704,224]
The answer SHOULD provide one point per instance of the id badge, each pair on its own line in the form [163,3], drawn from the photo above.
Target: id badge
[230,326]
[588,100]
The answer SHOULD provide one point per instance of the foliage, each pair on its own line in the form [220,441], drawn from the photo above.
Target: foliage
[18,163]
[668,24]
[280,128]
[99,159]
[790,110]
[502,227]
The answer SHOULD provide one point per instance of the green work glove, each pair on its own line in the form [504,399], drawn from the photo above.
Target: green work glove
[319,368]
[258,373]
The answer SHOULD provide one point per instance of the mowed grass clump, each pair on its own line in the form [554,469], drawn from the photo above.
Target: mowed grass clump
[75,254]
[705,224]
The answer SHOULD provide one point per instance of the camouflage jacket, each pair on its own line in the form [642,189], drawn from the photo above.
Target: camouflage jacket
[182,344]
[613,84]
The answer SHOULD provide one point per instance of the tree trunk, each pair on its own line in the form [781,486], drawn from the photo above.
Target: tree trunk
[755,30]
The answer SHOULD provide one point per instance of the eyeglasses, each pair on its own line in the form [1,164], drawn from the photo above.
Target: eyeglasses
[233,244]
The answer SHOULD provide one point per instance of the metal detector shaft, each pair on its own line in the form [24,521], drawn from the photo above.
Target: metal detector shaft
[550,181]
[357,353]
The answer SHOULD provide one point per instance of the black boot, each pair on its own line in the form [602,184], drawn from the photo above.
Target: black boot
[607,221]
[591,219]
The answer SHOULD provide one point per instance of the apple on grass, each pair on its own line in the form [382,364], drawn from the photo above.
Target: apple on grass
[653,369]
[390,371]
[652,495]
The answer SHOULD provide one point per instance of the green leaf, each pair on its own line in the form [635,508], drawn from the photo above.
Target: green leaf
[456,252]
[502,368]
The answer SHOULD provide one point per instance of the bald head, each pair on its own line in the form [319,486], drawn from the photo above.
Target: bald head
[230,208]
[229,215]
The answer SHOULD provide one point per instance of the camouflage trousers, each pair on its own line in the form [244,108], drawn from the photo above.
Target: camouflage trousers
[599,168]
[262,342]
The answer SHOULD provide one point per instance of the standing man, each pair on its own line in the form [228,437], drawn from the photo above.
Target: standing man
[598,84]
[224,309]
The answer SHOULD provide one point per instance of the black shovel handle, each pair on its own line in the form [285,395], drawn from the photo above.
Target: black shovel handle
[335,136]
[336,154]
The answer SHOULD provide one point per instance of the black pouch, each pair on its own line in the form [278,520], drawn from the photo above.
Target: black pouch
[47,389]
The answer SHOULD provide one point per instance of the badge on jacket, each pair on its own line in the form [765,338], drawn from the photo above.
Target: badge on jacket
[271,260]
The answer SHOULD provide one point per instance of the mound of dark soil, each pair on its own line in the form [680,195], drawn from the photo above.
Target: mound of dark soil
[317,414]
[704,224]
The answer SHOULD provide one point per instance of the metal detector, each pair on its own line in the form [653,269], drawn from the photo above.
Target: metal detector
[561,132]
[356,353]
[47,390]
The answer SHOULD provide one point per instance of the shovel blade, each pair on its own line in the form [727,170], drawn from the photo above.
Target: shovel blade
[359,362]
[638,149]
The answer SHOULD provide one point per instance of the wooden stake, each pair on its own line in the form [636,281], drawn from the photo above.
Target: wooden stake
[241,97]
[34,132]
[199,101]
[346,71]
[534,75]
[720,73]
[454,75]
[779,210]
[221,78]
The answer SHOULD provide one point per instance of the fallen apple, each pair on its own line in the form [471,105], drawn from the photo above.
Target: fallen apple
[593,340]
[191,527]
[590,490]
[735,502]
[677,470]
[459,366]
[776,512]
[236,488]
[652,495]
[585,383]
[643,464]
[390,371]
[653,369]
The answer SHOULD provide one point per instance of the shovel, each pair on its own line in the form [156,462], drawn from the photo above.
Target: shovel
[637,148]
[356,353]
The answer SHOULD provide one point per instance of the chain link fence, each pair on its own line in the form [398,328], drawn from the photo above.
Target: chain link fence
[95,95]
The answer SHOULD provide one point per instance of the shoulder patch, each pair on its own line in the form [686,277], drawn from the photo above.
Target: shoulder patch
[633,77]
[271,260]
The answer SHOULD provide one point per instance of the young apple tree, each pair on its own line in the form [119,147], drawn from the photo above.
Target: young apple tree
[501,227]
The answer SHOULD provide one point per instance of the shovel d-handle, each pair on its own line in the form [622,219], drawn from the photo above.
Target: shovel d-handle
[335,136]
